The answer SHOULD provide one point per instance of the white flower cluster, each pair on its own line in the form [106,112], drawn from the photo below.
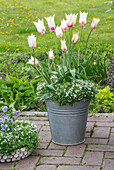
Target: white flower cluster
[71,92]
[24,133]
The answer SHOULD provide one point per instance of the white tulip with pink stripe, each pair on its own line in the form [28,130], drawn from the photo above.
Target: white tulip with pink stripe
[58,31]
[63,45]
[51,23]
[40,26]
[94,23]
[51,55]
[83,17]
[64,25]
[32,41]
[75,38]
[31,61]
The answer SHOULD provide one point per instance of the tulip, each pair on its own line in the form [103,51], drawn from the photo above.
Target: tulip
[64,25]
[31,61]
[59,32]
[69,20]
[32,41]
[51,23]
[74,17]
[51,56]
[94,23]
[40,26]
[75,38]
[63,45]
[83,17]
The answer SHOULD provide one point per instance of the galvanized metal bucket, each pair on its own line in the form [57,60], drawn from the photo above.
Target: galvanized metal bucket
[68,123]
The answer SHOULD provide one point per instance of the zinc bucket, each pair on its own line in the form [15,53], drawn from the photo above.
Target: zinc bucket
[68,122]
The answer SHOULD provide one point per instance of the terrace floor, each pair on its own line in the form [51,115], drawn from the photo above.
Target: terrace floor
[96,153]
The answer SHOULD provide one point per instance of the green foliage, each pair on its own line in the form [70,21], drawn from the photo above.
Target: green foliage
[95,65]
[106,97]
[14,65]
[67,86]
[104,101]
[19,93]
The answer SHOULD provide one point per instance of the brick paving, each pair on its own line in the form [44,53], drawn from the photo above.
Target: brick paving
[96,153]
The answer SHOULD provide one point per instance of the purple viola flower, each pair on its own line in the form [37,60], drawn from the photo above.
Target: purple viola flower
[5,109]
[4,127]
[11,106]
[18,112]
[104,53]
[8,62]
[6,119]
[95,55]
[1,120]
[10,120]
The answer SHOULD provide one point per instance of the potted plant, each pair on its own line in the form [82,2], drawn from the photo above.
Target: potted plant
[17,138]
[64,83]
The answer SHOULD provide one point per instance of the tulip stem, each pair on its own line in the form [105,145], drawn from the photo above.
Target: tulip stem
[87,40]
[79,49]
[46,41]
[34,56]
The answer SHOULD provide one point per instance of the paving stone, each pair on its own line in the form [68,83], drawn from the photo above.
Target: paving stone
[100,118]
[41,118]
[108,164]
[46,123]
[35,118]
[111,142]
[28,113]
[77,150]
[55,146]
[112,136]
[59,160]
[96,140]
[6,166]
[109,155]
[105,124]
[46,167]
[43,145]
[27,163]
[45,128]
[112,130]
[87,135]
[89,126]
[93,158]
[48,152]
[45,136]
[101,132]
[100,147]
[78,167]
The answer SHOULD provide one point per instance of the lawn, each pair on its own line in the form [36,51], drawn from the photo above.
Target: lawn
[17,16]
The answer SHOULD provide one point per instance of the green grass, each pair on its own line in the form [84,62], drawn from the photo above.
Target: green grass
[17,16]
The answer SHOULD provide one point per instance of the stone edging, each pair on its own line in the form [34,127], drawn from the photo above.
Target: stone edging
[29,113]
[16,155]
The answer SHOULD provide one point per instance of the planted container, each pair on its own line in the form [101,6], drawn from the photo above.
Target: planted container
[68,123]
